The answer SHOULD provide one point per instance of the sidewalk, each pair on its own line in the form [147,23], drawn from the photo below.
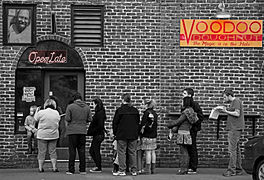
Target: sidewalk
[162,174]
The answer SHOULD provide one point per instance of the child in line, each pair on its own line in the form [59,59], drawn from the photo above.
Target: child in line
[115,158]
[30,125]
[140,155]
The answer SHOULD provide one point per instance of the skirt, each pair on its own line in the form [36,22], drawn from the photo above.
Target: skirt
[149,143]
[184,138]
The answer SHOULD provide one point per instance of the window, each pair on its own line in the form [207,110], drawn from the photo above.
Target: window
[87,25]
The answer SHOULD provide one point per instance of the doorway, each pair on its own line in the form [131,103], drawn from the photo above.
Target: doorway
[62,85]
[39,74]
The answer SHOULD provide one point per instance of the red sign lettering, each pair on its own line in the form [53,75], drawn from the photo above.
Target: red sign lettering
[47,57]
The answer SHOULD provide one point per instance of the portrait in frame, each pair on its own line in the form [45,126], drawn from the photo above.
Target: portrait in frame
[19,24]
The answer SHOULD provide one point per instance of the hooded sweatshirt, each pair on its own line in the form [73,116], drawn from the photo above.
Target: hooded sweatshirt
[78,114]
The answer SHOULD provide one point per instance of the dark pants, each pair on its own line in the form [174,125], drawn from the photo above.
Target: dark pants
[77,141]
[192,151]
[95,150]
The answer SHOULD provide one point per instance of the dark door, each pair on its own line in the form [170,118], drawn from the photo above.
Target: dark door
[63,84]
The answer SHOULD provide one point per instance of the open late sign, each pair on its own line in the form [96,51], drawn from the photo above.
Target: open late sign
[47,57]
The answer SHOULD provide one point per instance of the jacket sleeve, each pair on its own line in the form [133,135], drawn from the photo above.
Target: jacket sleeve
[115,122]
[26,124]
[68,115]
[89,115]
[143,120]
[177,122]
[99,119]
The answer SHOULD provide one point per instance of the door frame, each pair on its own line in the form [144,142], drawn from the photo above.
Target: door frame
[80,88]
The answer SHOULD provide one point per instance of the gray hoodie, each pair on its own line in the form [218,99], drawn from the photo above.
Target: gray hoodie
[78,114]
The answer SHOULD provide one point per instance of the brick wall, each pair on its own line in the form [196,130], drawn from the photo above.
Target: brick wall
[142,56]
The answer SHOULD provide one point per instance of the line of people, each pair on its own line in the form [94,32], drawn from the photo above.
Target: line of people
[133,135]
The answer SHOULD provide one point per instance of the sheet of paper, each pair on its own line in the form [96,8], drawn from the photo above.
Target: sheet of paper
[214,114]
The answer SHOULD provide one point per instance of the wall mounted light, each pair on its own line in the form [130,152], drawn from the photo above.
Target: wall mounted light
[222,14]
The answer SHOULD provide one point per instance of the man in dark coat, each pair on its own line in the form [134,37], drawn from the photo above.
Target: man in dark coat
[192,150]
[126,130]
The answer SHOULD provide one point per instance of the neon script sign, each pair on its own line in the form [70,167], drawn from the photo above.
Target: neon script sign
[221,33]
[47,57]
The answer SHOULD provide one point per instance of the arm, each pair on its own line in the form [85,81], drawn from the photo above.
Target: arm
[177,122]
[99,119]
[115,122]
[143,120]
[68,116]
[235,112]
[89,115]
[26,124]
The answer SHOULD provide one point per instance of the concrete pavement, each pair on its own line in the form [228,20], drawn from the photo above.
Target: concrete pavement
[162,174]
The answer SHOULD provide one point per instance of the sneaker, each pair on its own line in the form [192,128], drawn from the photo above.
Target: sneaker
[69,173]
[134,173]
[239,173]
[191,171]
[182,172]
[229,173]
[141,171]
[119,173]
[83,173]
[55,170]
[95,169]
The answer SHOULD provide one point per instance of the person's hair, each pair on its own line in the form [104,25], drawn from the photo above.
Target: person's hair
[55,99]
[15,18]
[126,97]
[77,96]
[228,92]
[50,103]
[188,102]
[151,103]
[34,107]
[99,104]
[189,91]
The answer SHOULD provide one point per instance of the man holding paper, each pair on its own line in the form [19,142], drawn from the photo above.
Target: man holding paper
[235,124]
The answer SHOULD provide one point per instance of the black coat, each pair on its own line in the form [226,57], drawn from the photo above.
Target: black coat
[97,125]
[126,123]
[198,110]
[150,130]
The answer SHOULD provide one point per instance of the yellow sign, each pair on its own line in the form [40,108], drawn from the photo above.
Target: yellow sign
[220,33]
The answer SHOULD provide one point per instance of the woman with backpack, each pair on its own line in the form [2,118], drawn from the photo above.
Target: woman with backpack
[182,127]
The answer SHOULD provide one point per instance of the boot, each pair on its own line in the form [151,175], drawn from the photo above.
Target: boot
[148,169]
[153,168]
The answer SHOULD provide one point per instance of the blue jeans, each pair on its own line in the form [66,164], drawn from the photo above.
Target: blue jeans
[130,147]
[234,151]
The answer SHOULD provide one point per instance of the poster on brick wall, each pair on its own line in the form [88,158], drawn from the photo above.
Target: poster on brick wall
[220,33]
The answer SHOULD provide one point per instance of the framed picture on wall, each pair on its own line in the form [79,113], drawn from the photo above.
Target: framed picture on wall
[19,24]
